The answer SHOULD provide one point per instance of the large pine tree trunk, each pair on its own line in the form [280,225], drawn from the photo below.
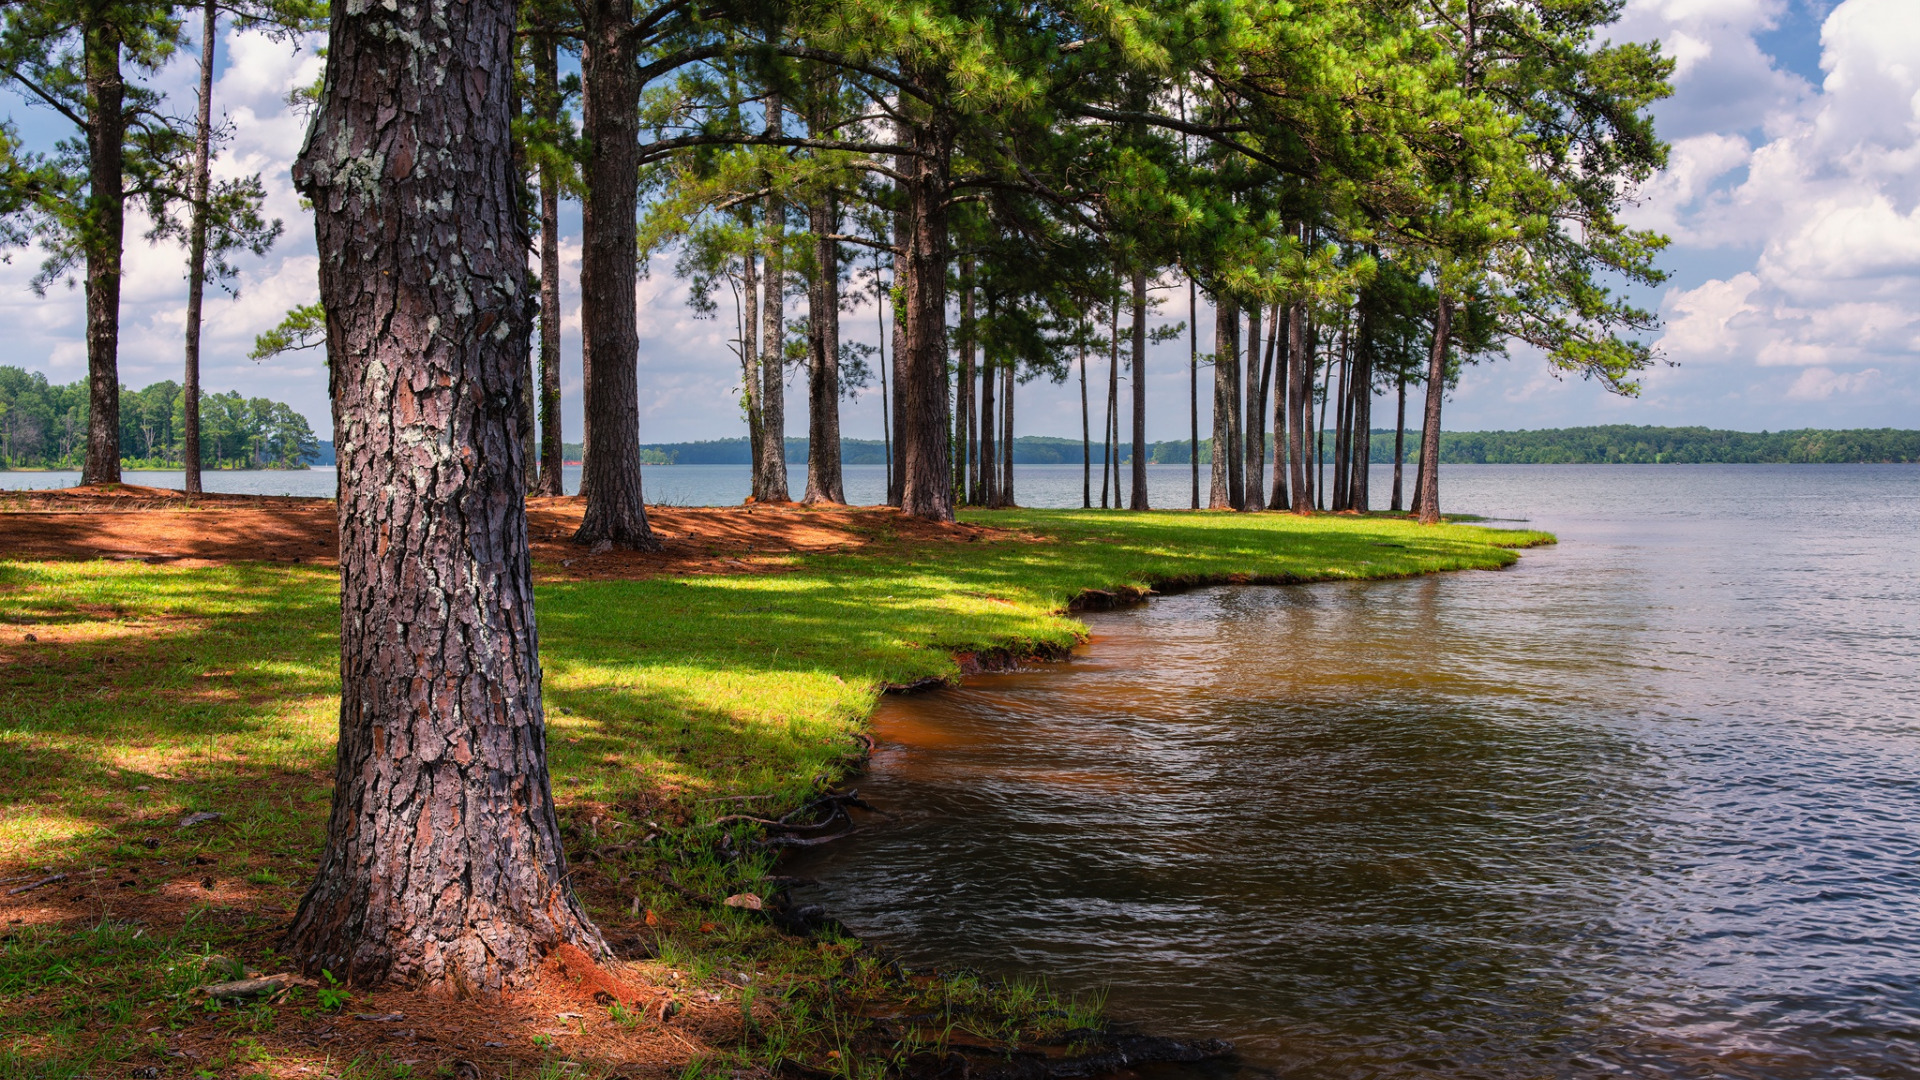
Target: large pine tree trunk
[773,343]
[197,251]
[1342,424]
[1430,433]
[926,456]
[896,405]
[1220,494]
[443,865]
[1399,448]
[546,98]
[106,235]
[823,387]
[609,261]
[1358,496]
[1139,500]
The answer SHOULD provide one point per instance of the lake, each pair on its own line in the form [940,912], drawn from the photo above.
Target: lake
[1646,804]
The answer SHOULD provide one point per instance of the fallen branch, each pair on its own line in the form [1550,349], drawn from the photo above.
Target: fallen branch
[48,880]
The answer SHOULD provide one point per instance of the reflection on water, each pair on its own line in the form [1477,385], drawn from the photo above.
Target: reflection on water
[1646,804]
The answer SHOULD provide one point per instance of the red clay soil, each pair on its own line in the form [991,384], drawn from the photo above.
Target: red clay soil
[128,522]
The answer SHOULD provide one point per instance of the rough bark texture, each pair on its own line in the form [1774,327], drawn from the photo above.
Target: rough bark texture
[967,438]
[989,431]
[443,865]
[1193,383]
[1086,432]
[926,456]
[546,64]
[1109,472]
[1358,496]
[1298,407]
[1220,492]
[750,359]
[616,511]
[1277,497]
[104,235]
[1253,442]
[1139,500]
[773,339]
[1430,432]
[1399,448]
[896,405]
[1006,435]
[197,252]
[1342,424]
[823,385]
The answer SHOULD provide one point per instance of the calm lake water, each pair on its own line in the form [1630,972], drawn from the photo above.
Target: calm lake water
[1647,804]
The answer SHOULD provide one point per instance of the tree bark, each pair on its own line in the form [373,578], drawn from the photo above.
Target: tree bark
[1253,442]
[824,483]
[1430,432]
[1299,409]
[1193,379]
[1225,358]
[1007,372]
[1342,423]
[967,440]
[104,237]
[197,252]
[750,381]
[926,489]
[1358,496]
[1277,498]
[1086,430]
[443,866]
[1320,436]
[1399,447]
[773,335]
[1109,471]
[546,99]
[616,511]
[1139,501]
[987,493]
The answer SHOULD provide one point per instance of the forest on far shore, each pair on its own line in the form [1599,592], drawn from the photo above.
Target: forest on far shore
[43,425]
[1616,444]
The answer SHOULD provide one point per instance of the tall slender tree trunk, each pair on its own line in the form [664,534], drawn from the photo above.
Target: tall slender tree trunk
[1299,409]
[1193,378]
[1277,497]
[1399,446]
[750,381]
[902,267]
[1086,429]
[197,251]
[1225,358]
[616,511]
[546,99]
[1430,431]
[104,238]
[988,494]
[1139,501]
[773,335]
[824,482]
[443,866]
[1109,461]
[1359,497]
[881,301]
[967,440]
[1253,443]
[1320,436]
[1342,424]
[1007,373]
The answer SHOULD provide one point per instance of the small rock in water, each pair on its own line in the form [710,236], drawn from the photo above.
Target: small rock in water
[200,818]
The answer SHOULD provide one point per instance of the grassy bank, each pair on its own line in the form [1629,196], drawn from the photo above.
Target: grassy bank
[153,692]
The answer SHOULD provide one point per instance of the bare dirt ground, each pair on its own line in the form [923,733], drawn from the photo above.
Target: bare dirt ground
[157,525]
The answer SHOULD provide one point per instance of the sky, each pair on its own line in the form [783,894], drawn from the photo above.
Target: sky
[1792,199]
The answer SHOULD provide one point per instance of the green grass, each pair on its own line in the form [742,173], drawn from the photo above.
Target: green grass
[216,689]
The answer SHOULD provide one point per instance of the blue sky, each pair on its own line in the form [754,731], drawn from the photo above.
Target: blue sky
[1792,202]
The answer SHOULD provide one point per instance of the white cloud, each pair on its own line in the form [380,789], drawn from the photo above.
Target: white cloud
[1819,384]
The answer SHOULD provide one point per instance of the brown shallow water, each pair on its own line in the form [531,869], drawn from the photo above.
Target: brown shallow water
[1647,804]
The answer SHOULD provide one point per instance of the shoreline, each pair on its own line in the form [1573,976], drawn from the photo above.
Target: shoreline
[733,676]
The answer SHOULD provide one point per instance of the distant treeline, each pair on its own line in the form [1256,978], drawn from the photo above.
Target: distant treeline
[44,426]
[1618,444]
